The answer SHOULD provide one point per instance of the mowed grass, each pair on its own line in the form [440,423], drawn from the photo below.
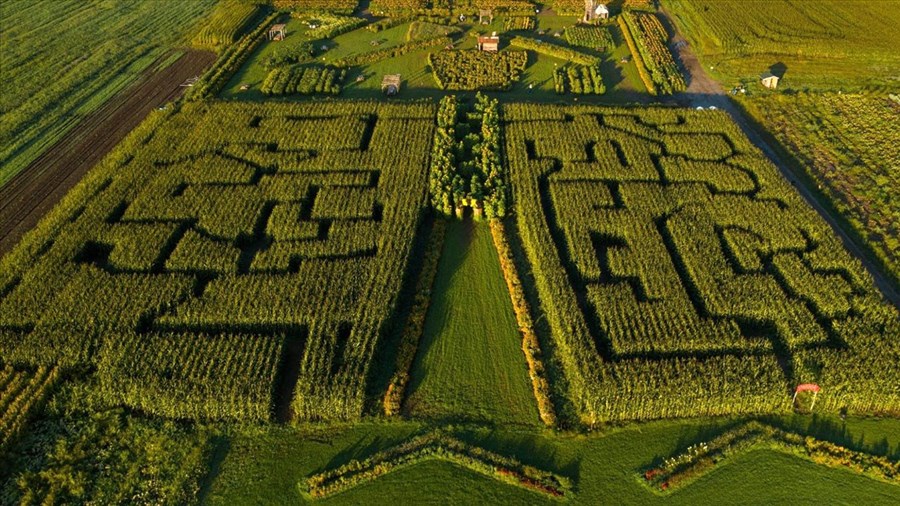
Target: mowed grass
[265,465]
[470,365]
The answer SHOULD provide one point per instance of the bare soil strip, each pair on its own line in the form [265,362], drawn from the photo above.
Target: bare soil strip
[33,192]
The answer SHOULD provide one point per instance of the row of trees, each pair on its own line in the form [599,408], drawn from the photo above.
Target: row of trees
[465,164]
[648,41]
[578,79]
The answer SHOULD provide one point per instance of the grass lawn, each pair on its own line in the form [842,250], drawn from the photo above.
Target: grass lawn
[264,465]
[470,364]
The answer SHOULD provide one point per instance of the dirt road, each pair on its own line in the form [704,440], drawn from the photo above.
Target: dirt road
[704,91]
[35,190]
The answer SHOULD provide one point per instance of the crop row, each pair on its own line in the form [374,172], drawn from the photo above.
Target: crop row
[477,70]
[554,50]
[21,392]
[520,23]
[593,37]
[329,26]
[303,80]
[647,35]
[231,59]
[578,79]
[226,23]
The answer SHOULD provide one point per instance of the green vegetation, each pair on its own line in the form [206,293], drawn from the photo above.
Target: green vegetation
[336,6]
[71,56]
[226,23]
[303,80]
[824,44]
[645,32]
[470,365]
[554,50]
[674,262]
[592,37]
[477,70]
[701,458]
[264,465]
[221,231]
[579,80]
[21,394]
[847,143]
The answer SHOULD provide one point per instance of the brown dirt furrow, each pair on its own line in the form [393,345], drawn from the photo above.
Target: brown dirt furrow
[33,192]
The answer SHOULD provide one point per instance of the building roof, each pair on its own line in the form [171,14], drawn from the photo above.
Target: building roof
[768,75]
[601,9]
[488,40]
[279,26]
[391,79]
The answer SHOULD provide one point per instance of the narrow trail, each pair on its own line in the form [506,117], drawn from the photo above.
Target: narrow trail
[28,196]
[705,91]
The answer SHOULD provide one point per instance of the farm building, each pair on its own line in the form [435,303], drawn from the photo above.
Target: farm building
[485,16]
[594,11]
[490,44]
[390,85]
[277,32]
[769,80]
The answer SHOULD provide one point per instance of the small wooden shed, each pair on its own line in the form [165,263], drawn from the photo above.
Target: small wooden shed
[489,44]
[485,16]
[390,85]
[277,32]
[769,80]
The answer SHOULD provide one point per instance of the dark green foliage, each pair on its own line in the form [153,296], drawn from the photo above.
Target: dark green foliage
[554,50]
[578,79]
[477,70]
[304,80]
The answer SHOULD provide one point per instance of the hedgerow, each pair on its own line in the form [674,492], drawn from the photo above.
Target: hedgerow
[674,263]
[477,70]
[328,25]
[530,345]
[556,51]
[440,447]
[699,459]
[415,324]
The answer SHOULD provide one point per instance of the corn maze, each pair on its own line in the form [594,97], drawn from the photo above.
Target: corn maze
[682,276]
[228,252]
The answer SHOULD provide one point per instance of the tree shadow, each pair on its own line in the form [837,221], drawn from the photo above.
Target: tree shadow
[778,70]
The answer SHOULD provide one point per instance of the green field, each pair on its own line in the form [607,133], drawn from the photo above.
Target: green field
[470,364]
[63,59]
[265,465]
[811,45]
[290,295]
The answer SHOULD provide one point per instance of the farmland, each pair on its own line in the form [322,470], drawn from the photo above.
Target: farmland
[812,45]
[69,57]
[521,277]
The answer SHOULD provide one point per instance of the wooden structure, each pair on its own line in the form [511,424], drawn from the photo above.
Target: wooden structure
[489,44]
[277,32]
[595,11]
[485,13]
[390,85]
[769,80]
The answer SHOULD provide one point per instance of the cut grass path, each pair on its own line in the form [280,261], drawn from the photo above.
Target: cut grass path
[470,364]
